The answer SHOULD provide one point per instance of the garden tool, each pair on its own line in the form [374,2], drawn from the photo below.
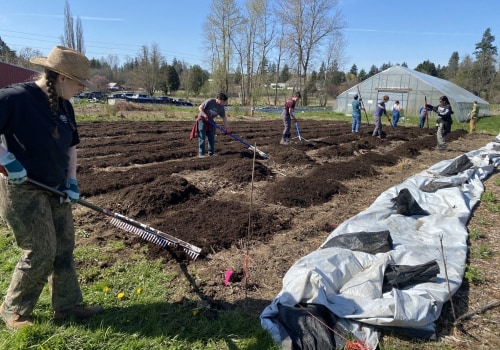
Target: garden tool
[363,106]
[249,146]
[145,232]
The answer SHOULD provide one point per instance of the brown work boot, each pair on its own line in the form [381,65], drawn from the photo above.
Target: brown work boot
[79,311]
[13,320]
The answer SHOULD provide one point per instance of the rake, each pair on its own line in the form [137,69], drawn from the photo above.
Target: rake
[145,232]
[298,130]
[299,136]
[249,146]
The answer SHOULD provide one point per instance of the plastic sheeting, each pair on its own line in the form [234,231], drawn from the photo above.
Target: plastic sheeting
[384,267]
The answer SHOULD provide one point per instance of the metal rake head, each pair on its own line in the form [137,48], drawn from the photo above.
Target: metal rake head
[191,251]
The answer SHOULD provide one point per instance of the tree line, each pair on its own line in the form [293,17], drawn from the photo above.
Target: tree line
[261,47]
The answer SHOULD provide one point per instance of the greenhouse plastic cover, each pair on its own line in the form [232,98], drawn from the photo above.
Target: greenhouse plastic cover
[392,266]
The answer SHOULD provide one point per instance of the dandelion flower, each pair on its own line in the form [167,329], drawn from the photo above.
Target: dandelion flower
[139,290]
[105,289]
[120,295]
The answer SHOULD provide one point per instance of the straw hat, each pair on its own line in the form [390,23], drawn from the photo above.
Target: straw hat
[68,62]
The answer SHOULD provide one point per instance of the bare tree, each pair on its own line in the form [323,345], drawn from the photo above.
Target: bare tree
[260,13]
[223,19]
[280,45]
[309,23]
[73,37]
[147,72]
[335,57]
[79,35]
[24,55]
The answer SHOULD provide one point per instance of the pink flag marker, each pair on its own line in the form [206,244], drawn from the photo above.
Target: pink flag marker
[229,272]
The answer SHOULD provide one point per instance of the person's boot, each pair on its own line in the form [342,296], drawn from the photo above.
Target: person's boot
[13,320]
[284,141]
[81,312]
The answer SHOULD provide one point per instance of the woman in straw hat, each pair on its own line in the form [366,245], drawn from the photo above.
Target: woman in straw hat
[39,137]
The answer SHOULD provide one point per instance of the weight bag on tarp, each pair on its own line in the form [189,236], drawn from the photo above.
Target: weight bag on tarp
[458,165]
[400,276]
[366,242]
[308,327]
[407,205]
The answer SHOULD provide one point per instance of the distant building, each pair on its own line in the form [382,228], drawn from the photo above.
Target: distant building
[412,89]
[11,74]
[114,87]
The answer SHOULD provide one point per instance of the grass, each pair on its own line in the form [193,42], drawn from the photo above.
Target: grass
[473,275]
[475,234]
[138,314]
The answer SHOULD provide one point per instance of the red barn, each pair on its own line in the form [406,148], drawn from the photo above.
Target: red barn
[10,74]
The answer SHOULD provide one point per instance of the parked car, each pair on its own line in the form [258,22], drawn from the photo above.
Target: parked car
[165,100]
[182,102]
[140,98]
[95,96]
[117,96]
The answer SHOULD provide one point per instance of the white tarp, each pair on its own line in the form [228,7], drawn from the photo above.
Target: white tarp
[349,283]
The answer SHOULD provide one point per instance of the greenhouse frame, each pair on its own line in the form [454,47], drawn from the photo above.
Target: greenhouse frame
[411,89]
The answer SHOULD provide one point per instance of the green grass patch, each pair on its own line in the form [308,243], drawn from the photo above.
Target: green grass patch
[488,197]
[482,252]
[475,234]
[473,275]
[138,313]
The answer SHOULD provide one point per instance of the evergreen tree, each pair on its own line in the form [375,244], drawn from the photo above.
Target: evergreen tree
[354,70]
[427,67]
[285,74]
[452,68]
[197,78]
[362,75]
[6,54]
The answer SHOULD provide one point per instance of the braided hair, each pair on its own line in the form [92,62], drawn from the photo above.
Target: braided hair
[54,101]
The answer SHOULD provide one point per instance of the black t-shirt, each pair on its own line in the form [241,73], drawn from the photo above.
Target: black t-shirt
[28,126]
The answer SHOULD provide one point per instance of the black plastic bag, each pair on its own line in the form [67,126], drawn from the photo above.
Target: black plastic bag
[458,165]
[367,242]
[400,276]
[407,205]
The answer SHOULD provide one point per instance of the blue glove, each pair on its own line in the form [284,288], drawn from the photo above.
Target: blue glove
[16,173]
[72,191]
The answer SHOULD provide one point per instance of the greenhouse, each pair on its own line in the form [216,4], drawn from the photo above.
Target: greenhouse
[411,89]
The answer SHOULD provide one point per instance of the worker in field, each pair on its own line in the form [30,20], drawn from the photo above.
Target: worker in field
[287,115]
[39,137]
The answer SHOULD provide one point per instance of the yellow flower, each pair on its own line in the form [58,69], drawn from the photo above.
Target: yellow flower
[106,289]
[120,295]
[195,312]
[139,290]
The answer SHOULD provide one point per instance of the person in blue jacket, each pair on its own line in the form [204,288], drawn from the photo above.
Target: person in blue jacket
[356,114]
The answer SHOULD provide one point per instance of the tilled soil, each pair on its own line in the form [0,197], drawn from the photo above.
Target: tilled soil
[251,215]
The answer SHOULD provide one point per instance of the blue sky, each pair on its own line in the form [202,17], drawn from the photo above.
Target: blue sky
[377,32]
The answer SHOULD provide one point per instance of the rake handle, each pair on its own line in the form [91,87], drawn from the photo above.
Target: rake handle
[297,128]
[63,195]
[249,146]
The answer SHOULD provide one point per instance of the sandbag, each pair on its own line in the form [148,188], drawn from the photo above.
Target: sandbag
[400,276]
[458,165]
[407,205]
[367,242]
[306,328]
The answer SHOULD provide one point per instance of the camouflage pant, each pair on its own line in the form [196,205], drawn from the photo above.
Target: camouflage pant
[440,135]
[43,228]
